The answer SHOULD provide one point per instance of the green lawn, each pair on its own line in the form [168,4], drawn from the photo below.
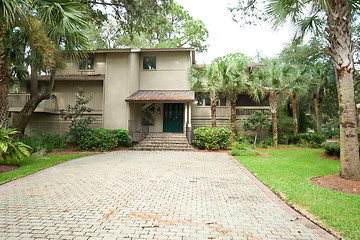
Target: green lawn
[33,164]
[289,171]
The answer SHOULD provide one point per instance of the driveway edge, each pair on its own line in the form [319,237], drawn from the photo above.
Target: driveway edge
[303,219]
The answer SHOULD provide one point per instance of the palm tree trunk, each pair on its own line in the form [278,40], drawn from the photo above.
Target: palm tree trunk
[316,109]
[321,98]
[341,52]
[294,113]
[273,109]
[233,117]
[213,110]
[4,81]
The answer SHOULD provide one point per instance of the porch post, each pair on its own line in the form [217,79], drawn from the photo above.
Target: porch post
[185,116]
[189,106]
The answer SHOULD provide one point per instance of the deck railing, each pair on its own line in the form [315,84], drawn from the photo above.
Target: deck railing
[18,100]
[247,111]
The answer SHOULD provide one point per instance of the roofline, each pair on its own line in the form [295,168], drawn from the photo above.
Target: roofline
[128,50]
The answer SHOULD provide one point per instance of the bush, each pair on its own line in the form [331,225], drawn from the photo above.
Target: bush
[212,138]
[103,139]
[285,127]
[48,141]
[11,149]
[244,138]
[308,139]
[242,149]
[332,148]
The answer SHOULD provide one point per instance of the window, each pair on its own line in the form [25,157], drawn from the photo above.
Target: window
[86,63]
[148,114]
[203,99]
[149,62]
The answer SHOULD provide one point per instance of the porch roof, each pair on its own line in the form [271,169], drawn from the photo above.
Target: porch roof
[162,96]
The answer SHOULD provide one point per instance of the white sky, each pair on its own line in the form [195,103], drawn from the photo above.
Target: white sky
[226,36]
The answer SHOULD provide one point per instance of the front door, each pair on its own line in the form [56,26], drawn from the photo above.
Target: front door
[173,117]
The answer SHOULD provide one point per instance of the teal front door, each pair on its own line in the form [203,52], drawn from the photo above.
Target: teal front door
[173,117]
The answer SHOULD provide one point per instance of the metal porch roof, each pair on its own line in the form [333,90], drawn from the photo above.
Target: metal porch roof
[162,96]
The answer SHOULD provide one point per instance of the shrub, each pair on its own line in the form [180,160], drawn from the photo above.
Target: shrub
[11,149]
[308,139]
[285,127]
[103,139]
[242,149]
[257,121]
[244,138]
[212,138]
[332,148]
[46,140]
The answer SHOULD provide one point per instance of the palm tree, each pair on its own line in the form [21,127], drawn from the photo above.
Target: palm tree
[56,27]
[338,15]
[205,78]
[271,79]
[10,12]
[231,69]
[297,82]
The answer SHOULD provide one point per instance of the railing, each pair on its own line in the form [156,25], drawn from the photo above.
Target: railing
[137,131]
[247,111]
[18,100]
[189,133]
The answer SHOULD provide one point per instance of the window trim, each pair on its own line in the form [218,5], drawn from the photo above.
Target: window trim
[87,70]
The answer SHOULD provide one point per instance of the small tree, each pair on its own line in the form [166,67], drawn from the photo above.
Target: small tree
[256,122]
[79,121]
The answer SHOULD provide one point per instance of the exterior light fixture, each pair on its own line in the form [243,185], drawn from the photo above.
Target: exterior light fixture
[158,110]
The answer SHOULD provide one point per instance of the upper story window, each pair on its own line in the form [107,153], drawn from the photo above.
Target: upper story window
[203,99]
[86,63]
[149,62]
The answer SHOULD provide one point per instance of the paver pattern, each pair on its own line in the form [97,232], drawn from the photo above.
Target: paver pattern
[144,195]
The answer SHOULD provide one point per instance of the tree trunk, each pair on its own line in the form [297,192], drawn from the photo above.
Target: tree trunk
[22,119]
[294,113]
[273,109]
[233,117]
[4,80]
[321,98]
[213,110]
[341,51]
[316,109]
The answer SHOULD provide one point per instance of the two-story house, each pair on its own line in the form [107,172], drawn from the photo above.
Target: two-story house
[131,89]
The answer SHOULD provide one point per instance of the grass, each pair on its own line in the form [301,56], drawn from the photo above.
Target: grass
[33,164]
[289,171]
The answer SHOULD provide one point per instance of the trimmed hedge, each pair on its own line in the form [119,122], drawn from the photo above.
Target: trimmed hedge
[310,139]
[103,139]
[212,138]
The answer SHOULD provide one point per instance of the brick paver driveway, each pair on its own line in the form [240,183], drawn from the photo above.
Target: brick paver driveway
[146,195]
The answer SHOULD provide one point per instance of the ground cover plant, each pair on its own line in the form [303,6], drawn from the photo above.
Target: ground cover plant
[289,172]
[33,164]
[45,140]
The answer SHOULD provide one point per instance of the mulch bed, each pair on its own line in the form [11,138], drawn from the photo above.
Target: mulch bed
[7,167]
[335,182]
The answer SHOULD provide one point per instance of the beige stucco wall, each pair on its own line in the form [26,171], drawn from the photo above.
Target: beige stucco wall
[116,89]
[71,66]
[172,69]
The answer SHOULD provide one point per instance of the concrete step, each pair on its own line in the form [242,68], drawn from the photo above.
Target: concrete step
[162,149]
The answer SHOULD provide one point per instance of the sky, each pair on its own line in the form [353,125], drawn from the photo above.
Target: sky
[226,36]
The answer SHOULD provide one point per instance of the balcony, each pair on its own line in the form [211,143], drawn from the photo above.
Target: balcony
[244,112]
[18,100]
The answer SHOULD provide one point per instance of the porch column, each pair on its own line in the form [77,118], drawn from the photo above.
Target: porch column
[185,116]
[189,106]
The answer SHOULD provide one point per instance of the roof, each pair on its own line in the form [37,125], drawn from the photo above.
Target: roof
[128,50]
[162,96]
